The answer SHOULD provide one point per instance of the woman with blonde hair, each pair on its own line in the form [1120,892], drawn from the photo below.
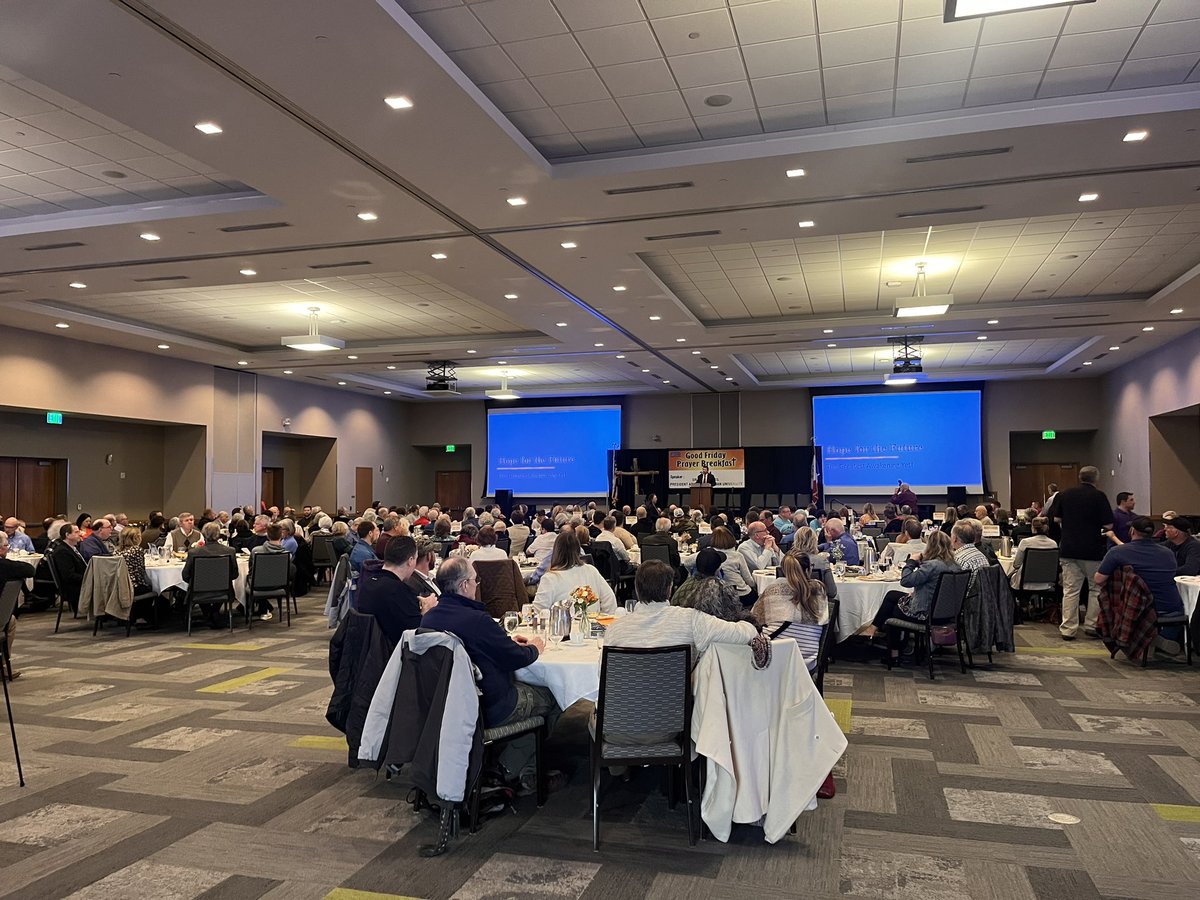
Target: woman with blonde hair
[920,573]
[805,546]
[568,571]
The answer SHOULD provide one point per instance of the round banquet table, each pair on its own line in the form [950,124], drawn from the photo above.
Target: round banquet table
[1189,590]
[1006,563]
[571,673]
[32,558]
[858,602]
[763,579]
[162,577]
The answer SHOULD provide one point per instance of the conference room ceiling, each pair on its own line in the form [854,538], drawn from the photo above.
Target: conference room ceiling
[671,277]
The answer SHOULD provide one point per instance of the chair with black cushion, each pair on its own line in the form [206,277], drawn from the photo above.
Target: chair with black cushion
[1039,567]
[210,584]
[948,598]
[324,556]
[502,734]
[881,541]
[1179,619]
[529,540]
[8,604]
[661,552]
[269,580]
[609,565]
[62,598]
[504,542]
[644,718]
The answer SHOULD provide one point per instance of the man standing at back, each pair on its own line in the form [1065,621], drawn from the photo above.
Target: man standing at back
[1122,517]
[1085,515]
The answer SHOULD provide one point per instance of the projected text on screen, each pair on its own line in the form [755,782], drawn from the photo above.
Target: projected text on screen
[552,451]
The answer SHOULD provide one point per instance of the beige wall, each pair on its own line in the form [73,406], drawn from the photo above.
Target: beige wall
[1160,382]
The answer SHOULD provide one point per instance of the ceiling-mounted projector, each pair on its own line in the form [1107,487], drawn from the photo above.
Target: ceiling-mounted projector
[441,379]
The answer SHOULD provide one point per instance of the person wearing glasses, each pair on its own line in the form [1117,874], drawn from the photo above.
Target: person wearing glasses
[384,593]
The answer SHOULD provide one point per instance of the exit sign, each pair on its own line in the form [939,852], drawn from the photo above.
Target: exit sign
[450,448]
[53,418]
[1049,435]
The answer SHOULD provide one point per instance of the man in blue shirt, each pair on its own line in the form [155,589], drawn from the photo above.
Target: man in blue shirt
[363,549]
[1155,565]
[783,521]
[16,540]
[96,543]
[835,533]
[1123,516]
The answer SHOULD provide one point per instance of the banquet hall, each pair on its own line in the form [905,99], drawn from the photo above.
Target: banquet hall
[500,254]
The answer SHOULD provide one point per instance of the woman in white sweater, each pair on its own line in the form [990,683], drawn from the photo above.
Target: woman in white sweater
[568,571]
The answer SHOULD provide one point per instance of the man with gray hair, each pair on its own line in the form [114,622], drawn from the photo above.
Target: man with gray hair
[838,541]
[662,537]
[759,548]
[1084,514]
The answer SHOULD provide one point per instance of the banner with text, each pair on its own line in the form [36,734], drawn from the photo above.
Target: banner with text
[727,466]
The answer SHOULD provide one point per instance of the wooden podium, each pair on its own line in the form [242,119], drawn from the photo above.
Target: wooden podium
[701,498]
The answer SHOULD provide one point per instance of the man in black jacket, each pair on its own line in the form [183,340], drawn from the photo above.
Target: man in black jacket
[68,564]
[384,593]
[1085,515]
[212,546]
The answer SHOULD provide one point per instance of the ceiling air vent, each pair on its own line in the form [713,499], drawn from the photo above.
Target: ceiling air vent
[263,226]
[682,234]
[949,210]
[959,154]
[63,246]
[11,291]
[1079,318]
[648,188]
[339,265]
[161,278]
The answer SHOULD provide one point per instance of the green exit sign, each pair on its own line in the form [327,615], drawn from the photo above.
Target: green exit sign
[450,448]
[53,418]
[1049,435]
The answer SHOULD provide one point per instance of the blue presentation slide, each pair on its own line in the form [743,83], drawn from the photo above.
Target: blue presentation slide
[559,451]
[928,439]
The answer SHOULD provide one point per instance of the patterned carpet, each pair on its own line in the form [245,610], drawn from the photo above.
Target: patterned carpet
[167,768]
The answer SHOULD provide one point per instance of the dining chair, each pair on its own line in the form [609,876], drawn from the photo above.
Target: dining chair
[270,579]
[8,604]
[948,598]
[210,584]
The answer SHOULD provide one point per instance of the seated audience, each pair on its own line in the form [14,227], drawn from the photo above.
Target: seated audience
[624,535]
[735,571]
[361,550]
[422,581]
[384,593]
[487,549]
[644,525]
[662,537]
[68,563]
[967,556]
[83,522]
[607,535]
[920,573]
[893,521]
[518,534]
[981,515]
[1186,548]
[949,520]
[796,598]
[96,543]
[838,542]
[13,570]
[543,544]
[805,545]
[568,571]
[211,546]
[760,548]
[274,545]
[342,539]
[186,535]
[17,539]
[1155,565]
[783,521]
[391,528]
[1039,540]
[907,543]
[497,656]
[708,566]
[144,597]
[290,544]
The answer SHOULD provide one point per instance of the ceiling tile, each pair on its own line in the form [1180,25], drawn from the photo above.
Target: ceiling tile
[26,162]
[1002,88]
[15,102]
[930,98]
[510,96]
[863,78]
[515,20]
[1030,24]
[793,116]
[607,140]
[1078,80]
[661,9]
[1156,40]
[932,35]
[63,125]
[598,114]
[836,15]
[453,29]
[484,65]
[711,67]
[570,87]
[545,56]
[859,107]
[781,57]
[646,108]
[15,133]
[537,122]
[857,45]
[738,90]
[1137,73]
[773,20]
[69,154]
[781,90]
[656,134]
[558,145]
[713,30]
[1009,59]
[729,124]
[618,44]
[112,146]
[1092,49]
[584,14]
[934,68]
[638,78]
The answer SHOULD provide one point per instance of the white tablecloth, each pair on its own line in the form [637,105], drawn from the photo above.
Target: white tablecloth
[1189,590]
[171,575]
[32,558]
[571,673]
[1006,563]
[763,579]
[858,602]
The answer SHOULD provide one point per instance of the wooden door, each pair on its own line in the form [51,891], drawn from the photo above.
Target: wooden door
[1030,481]
[453,490]
[8,486]
[364,486]
[272,486]
[38,483]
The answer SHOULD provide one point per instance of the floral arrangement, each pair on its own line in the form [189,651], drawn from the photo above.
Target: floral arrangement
[583,597]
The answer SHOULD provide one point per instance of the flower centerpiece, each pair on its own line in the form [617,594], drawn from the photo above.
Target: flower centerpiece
[582,599]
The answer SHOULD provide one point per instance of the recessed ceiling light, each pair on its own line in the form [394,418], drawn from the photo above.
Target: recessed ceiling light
[695,353]
[717,99]
[597,345]
[164,346]
[893,283]
[795,173]
[77,284]
[620,356]
[1115,348]
[243,362]
[729,378]
[398,102]
[680,340]
[368,216]
[341,384]
[510,296]
[1087,362]
[561,324]
[516,201]
[665,381]
[1088,197]
[61,325]
[827,331]
[472,351]
[1138,134]
[208,127]
[351,357]
[149,236]
[391,368]
[568,245]
[387,393]
[831,345]
[1148,328]
[502,362]
[619,287]
[287,372]
[982,337]
[247,272]
[644,371]
[655,318]
[993,321]
[806,223]
[1176,311]
[438,255]
[714,367]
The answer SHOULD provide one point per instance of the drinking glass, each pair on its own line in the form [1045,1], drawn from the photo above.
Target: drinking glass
[511,621]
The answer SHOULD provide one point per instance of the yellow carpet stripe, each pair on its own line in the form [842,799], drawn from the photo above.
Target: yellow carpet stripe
[1064,651]
[240,645]
[320,742]
[841,712]
[1174,813]
[351,894]
[224,687]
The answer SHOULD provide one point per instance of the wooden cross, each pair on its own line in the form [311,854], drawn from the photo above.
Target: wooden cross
[636,472]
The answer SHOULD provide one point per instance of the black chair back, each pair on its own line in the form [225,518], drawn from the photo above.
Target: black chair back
[8,600]
[949,595]
[1040,566]
[210,575]
[529,540]
[504,542]
[270,572]
[881,541]
[661,552]
[322,550]
[645,692]
[341,574]
[605,561]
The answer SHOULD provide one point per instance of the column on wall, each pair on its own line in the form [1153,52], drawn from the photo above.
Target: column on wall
[235,478]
